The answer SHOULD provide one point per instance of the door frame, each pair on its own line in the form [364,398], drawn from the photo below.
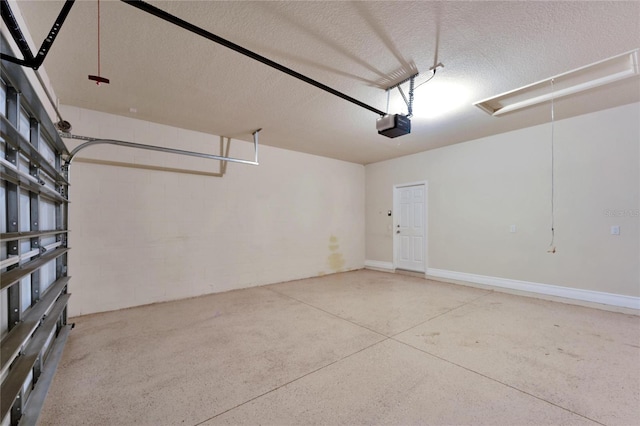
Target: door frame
[396,203]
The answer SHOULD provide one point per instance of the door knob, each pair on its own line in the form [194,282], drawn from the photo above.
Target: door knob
[398,231]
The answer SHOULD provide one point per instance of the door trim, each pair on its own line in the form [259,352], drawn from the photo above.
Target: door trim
[396,201]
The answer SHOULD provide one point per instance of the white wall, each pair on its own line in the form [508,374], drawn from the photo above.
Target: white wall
[143,236]
[479,188]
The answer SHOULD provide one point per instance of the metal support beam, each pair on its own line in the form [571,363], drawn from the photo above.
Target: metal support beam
[11,213]
[61,269]
[34,205]
[14,308]
[15,31]
[16,409]
[24,348]
[28,58]
[34,209]
[53,33]
[37,369]
[34,139]
[13,106]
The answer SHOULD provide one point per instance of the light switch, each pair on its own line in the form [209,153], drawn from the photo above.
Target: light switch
[615,230]
[512,228]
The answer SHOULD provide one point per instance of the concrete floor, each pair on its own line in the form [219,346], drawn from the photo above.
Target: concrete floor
[361,347]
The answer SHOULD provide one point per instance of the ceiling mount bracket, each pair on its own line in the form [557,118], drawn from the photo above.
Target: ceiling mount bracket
[409,101]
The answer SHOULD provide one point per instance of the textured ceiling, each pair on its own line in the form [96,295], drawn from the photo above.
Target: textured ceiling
[174,77]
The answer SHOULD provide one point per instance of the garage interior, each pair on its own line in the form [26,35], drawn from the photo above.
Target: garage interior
[237,241]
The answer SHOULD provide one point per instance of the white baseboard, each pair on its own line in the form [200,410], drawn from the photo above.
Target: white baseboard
[377,264]
[531,287]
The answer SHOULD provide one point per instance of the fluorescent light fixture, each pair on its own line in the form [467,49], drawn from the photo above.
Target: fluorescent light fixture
[578,80]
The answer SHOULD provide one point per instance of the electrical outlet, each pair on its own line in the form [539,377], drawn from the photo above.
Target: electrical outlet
[615,230]
[512,228]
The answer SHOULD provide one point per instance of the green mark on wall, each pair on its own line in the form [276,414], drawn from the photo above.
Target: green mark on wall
[335,260]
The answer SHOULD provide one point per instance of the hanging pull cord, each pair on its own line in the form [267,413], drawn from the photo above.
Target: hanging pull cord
[552,247]
[98,78]
[98,83]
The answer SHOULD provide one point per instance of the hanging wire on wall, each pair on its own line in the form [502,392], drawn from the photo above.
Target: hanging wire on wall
[552,247]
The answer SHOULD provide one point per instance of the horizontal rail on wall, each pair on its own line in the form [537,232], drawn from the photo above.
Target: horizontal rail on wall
[90,141]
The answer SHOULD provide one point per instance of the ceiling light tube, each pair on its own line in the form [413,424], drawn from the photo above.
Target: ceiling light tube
[569,83]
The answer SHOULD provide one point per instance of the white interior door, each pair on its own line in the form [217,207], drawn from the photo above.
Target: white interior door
[410,227]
